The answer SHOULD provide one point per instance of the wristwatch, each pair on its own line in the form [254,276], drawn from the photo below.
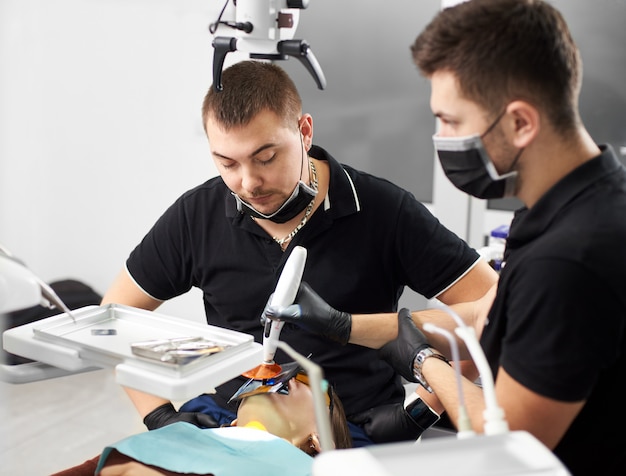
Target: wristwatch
[421,356]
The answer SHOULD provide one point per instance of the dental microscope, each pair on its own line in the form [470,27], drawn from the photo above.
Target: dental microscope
[264,29]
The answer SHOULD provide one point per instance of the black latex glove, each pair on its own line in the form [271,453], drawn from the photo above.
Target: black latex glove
[166,414]
[400,352]
[311,313]
[389,423]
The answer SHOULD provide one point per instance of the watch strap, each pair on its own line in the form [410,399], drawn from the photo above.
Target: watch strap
[420,357]
[422,414]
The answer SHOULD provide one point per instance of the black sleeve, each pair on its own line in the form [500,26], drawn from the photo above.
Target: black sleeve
[161,263]
[432,256]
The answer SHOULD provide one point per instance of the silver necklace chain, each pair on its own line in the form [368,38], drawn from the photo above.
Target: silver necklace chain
[307,213]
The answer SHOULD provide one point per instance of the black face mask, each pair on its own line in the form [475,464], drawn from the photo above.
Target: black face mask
[296,203]
[467,165]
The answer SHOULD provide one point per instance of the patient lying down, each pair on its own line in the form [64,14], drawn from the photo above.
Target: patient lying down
[272,432]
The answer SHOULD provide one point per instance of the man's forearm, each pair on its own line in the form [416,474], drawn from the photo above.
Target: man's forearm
[144,402]
[375,330]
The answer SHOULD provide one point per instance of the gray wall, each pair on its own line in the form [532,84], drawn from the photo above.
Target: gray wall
[374,113]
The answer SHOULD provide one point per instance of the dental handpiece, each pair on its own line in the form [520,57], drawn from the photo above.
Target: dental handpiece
[54,299]
[284,295]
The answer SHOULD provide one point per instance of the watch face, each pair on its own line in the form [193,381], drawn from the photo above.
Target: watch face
[421,413]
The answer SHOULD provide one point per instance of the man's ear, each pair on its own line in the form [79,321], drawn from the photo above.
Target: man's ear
[524,123]
[306,130]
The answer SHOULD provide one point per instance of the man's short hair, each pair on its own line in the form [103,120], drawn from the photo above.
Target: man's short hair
[249,88]
[505,50]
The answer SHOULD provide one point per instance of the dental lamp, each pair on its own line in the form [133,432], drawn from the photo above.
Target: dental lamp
[264,29]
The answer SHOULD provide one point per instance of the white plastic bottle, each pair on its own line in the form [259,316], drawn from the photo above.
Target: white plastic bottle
[493,253]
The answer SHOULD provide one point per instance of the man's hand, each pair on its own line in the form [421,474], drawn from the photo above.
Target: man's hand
[166,414]
[311,313]
[392,422]
[400,352]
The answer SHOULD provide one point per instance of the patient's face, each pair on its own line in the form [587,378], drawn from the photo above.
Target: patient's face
[291,416]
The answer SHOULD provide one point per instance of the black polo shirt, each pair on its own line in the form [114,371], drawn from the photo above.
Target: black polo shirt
[368,240]
[557,325]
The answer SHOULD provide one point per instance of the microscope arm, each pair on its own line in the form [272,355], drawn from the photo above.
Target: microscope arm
[222,45]
[301,50]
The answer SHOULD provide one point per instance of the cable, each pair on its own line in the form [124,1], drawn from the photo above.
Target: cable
[213,26]
[464,424]
[494,415]
[246,27]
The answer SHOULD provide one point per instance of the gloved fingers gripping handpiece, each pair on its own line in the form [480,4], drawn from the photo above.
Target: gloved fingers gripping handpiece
[311,313]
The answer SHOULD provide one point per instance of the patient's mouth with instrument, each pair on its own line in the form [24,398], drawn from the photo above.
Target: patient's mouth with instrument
[268,368]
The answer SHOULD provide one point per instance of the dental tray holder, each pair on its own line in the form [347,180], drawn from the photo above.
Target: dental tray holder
[104,336]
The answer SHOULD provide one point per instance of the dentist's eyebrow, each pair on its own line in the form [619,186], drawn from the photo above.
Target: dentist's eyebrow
[256,152]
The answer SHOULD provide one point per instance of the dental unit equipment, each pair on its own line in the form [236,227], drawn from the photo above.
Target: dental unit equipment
[21,288]
[169,357]
[495,453]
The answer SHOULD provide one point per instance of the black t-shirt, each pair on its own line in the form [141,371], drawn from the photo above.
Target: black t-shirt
[558,323]
[367,242]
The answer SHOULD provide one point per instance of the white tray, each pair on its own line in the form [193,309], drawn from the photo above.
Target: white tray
[60,342]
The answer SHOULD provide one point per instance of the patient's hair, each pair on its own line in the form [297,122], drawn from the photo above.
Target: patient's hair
[249,88]
[339,422]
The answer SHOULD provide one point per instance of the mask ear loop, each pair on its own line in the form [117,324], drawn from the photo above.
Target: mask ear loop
[302,156]
[493,124]
[489,129]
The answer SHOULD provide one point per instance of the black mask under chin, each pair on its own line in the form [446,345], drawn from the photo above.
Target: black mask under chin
[295,204]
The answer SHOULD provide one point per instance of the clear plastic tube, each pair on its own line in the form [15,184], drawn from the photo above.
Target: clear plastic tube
[319,386]
[464,424]
[495,422]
